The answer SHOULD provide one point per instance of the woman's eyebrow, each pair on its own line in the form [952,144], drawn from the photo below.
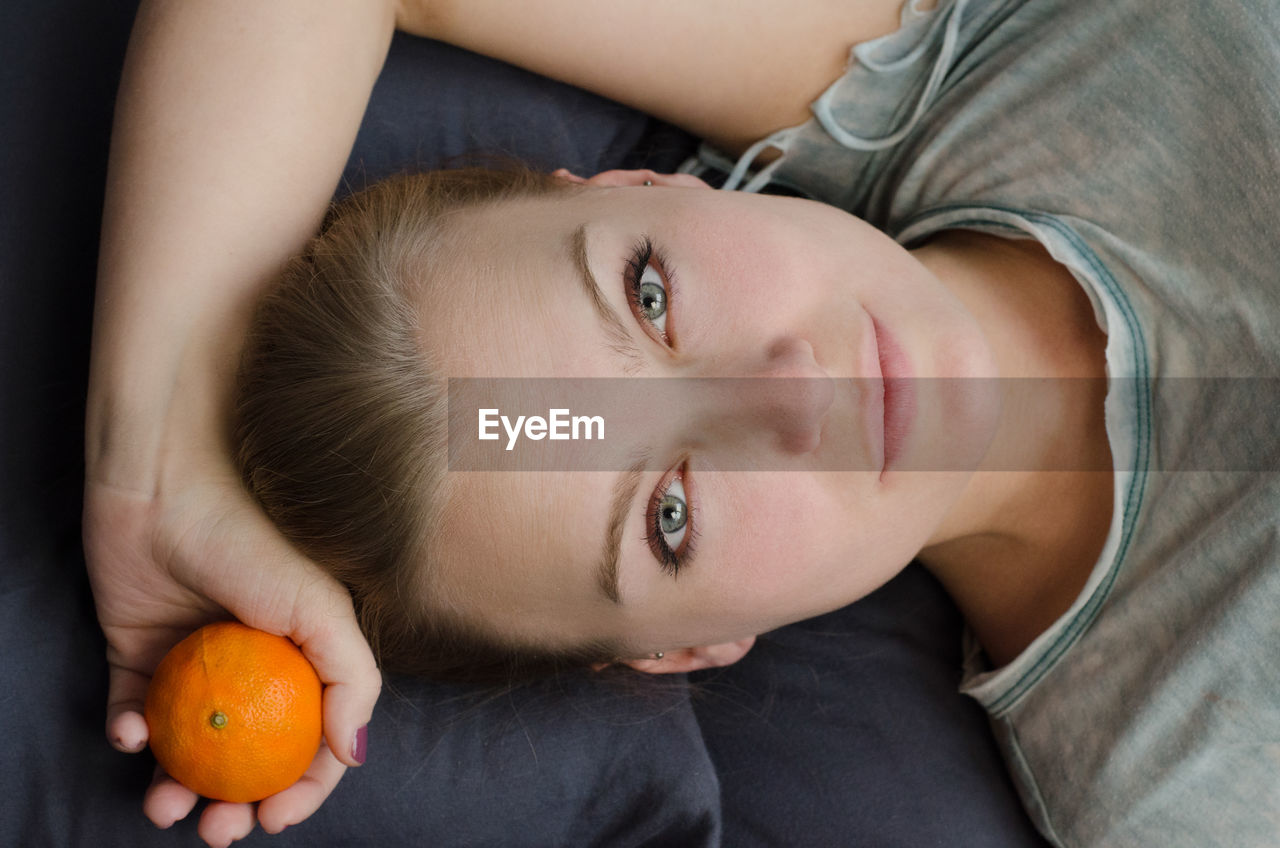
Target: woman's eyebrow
[624,492]
[615,331]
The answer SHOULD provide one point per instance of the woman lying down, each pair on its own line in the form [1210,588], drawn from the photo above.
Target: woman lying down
[1021,325]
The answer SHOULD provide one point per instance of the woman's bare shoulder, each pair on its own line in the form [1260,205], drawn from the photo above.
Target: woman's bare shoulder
[731,71]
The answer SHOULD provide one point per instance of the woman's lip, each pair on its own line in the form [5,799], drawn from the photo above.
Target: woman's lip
[899,398]
[872,393]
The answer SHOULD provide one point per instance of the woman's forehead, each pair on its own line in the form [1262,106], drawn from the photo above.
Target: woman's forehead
[523,549]
[516,302]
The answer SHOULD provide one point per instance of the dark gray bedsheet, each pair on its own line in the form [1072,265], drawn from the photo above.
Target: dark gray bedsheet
[845,730]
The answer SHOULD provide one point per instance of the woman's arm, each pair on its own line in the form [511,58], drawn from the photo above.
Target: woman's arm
[731,71]
[234,120]
[233,123]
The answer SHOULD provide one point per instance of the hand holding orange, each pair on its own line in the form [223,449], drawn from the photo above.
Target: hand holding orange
[234,713]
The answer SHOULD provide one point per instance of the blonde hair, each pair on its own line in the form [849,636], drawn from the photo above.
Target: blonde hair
[342,419]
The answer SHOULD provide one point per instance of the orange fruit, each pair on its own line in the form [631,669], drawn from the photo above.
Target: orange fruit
[234,712]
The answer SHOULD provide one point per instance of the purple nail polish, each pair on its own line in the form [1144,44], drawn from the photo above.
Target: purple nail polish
[360,747]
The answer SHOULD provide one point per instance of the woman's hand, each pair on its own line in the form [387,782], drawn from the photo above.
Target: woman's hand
[233,121]
[165,562]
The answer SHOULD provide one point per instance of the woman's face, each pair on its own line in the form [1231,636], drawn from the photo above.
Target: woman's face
[700,289]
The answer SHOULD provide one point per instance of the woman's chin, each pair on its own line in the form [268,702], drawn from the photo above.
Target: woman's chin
[945,418]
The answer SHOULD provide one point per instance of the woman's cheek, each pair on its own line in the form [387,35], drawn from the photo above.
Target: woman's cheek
[786,535]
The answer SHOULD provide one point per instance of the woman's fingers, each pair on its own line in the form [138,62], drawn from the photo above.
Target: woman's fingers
[127,729]
[347,710]
[126,694]
[223,823]
[326,630]
[304,797]
[268,585]
[167,801]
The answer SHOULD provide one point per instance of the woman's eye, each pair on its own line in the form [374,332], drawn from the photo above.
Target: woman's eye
[671,534]
[673,515]
[651,298]
[650,286]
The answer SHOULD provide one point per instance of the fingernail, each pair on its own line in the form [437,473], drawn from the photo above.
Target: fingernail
[129,746]
[360,747]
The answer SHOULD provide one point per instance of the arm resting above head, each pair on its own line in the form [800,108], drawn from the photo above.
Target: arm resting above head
[233,123]
[730,71]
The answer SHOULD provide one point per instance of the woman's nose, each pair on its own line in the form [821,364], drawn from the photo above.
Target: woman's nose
[783,398]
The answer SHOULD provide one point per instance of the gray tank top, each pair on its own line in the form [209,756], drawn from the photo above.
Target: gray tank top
[1139,141]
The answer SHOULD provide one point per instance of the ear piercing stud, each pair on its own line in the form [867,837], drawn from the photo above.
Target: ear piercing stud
[648,182]
[656,656]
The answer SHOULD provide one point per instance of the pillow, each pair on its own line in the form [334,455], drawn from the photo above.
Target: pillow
[849,729]
[435,103]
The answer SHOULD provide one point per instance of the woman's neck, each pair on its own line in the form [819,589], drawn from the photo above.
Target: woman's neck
[1025,534]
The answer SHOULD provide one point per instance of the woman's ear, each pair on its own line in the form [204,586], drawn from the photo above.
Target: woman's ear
[693,659]
[566,174]
[637,178]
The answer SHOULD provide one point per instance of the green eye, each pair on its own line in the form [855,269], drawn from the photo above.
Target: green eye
[671,529]
[672,513]
[648,288]
[653,298]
